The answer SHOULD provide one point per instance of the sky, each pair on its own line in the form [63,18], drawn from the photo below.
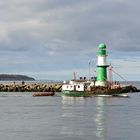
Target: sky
[51,39]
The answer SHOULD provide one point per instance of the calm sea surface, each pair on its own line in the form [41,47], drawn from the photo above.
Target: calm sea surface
[23,117]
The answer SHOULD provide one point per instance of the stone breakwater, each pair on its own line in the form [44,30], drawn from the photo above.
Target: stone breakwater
[105,90]
[30,87]
[55,87]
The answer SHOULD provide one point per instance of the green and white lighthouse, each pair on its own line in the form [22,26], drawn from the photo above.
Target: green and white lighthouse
[101,66]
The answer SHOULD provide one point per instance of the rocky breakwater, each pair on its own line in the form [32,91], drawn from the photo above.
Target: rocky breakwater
[57,87]
[105,90]
[30,87]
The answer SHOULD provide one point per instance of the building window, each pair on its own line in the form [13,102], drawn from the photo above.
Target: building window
[78,86]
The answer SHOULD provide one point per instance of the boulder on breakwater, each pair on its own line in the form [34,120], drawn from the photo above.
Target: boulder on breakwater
[129,88]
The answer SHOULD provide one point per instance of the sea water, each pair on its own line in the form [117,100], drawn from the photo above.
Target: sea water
[23,117]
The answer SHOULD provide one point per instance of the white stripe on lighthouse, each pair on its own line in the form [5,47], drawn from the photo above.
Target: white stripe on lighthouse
[101,60]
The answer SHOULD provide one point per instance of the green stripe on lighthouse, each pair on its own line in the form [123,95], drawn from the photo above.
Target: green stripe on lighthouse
[102,74]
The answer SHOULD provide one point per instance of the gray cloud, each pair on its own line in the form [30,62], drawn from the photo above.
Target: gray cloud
[75,22]
[66,32]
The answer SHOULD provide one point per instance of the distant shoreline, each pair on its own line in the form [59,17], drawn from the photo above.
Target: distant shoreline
[15,77]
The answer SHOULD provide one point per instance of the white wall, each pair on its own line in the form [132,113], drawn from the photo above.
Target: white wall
[67,87]
[79,87]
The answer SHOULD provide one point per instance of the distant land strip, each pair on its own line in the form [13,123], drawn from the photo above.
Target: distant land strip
[15,77]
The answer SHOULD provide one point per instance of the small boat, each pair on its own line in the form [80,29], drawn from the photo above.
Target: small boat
[77,88]
[43,94]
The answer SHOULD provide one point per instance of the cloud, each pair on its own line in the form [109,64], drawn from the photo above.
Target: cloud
[74,22]
[63,34]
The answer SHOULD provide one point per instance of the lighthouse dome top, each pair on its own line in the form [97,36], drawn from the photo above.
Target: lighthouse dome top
[102,46]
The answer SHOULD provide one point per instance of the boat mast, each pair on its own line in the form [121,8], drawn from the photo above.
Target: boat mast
[74,75]
[110,74]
